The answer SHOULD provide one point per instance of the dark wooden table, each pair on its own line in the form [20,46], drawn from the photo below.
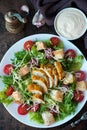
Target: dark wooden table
[7,122]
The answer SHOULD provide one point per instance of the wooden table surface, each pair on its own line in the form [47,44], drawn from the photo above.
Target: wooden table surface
[7,122]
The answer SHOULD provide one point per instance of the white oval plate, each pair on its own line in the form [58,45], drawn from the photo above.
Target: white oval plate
[12,108]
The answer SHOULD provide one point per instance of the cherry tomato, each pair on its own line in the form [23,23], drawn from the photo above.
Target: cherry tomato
[23,109]
[54,41]
[35,107]
[80,75]
[28,45]
[7,69]
[9,91]
[70,53]
[78,96]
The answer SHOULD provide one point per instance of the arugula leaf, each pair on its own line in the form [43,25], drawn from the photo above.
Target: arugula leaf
[8,80]
[67,107]
[19,57]
[43,108]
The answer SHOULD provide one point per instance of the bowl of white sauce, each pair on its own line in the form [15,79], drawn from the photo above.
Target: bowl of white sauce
[70,23]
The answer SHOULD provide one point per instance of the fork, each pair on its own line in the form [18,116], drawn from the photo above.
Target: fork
[73,124]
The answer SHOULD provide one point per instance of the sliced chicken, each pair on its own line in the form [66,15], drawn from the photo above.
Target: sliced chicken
[81,85]
[35,88]
[24,70]
[48,70]
[69,78]
[59,70]
[57,95]
[56,77]
[58,54]
[48,118]
[40,81]
[39,72]
[38,98]
[17,97]
[40,45]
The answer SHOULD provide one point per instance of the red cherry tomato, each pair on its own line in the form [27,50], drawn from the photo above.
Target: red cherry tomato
[9,91]
[28,45]
[70,53]
[54,41]
[7,69]
[23,109]
[80,75]
[35,107]
[78,96]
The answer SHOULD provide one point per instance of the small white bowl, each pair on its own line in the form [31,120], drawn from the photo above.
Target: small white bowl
[70,23]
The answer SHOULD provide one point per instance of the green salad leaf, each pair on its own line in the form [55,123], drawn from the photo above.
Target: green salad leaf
[36,116]
[5,99]
[21,56]
[59,46]
[7,80]
[72,64]
[40,55]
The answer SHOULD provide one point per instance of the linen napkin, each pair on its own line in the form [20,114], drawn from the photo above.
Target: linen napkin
[50,8]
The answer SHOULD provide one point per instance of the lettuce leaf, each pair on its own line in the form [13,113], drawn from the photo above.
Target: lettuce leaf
[4,99]
[36,116]
[59,46]
[72,64]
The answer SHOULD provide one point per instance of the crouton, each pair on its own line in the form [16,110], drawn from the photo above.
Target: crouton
[24,70]
[58,54]
[40,45]
[81,85]
[48,118]
[69,78]
[17,97]
[57,95]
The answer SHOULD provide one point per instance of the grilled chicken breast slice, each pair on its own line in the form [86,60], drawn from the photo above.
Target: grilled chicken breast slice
[56,77]
[48,70]
[40,81]
[38,98]
[59,70]
[39,72]
[35,88]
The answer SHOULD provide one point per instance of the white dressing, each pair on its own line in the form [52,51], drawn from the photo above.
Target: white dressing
[71,23]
